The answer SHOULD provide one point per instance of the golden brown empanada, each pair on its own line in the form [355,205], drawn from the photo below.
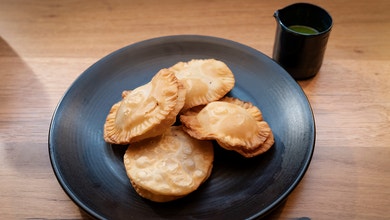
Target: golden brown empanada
[169,166]
[234,124]
[146,111]
[205,80]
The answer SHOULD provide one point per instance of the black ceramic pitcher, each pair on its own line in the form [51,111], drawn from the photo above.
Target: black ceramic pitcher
[301,37]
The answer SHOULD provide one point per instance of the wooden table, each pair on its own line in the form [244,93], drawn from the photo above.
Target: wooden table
[46,45]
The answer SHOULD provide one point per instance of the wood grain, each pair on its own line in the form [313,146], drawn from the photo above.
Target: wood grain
[45,45]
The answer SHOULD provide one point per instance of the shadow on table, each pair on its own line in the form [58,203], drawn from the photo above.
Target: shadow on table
[24,113]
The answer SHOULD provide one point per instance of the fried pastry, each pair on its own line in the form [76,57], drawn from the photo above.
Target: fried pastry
[146,111]
[169,166]
[234,124]
[205,80]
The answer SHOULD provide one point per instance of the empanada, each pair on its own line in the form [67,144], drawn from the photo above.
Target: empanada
[169,166]
[146,111]
[205,80]
[234,124]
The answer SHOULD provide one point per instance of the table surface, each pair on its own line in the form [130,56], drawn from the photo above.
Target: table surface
[46,45]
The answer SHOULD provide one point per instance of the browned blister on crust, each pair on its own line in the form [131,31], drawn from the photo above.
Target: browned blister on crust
[234,124]
[146,111]
[205,80]
[169,166]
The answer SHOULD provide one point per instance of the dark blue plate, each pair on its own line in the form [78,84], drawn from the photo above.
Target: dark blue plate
[92,173]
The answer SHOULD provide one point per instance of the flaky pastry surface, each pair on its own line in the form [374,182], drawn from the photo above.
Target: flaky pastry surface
[153,196]
[168,166]
[234,124]
[205,80]
[146,111]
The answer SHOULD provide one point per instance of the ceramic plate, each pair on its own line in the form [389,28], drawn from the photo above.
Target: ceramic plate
[92,173]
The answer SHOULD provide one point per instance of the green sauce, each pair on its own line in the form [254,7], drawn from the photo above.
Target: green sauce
[303,29]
